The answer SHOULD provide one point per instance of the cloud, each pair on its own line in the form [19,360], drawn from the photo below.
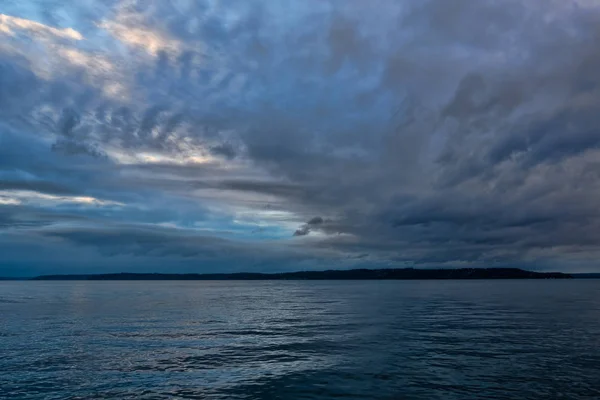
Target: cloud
[10,24]
[141,37]
[35,186]
[33,197]
[139,241]
[315,221]
[312,224]
[224,149]
[302,231]
[421,134]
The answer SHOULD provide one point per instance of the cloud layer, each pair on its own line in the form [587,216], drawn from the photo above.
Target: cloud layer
[276,135]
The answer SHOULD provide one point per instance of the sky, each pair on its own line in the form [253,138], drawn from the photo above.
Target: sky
[278,135]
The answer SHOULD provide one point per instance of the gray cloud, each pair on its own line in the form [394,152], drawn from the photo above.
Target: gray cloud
[37,186]
[424,134]
[302,231]
[313,223]
[224,149]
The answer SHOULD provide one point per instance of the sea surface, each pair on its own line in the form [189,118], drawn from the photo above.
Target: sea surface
[300,340]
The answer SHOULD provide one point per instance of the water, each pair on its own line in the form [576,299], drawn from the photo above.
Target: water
[300,340]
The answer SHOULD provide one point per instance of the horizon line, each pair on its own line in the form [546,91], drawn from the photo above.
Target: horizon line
[344,274]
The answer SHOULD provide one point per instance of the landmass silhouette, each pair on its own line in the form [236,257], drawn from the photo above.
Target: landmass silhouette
[353,274]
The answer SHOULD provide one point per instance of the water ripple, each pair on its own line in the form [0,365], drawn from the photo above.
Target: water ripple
[300,340]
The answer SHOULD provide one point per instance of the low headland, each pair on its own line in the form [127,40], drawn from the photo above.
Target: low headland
[354,274]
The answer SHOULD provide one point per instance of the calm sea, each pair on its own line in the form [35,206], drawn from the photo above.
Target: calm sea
[300,340]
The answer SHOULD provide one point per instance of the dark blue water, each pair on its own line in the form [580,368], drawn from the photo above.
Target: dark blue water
[300,340]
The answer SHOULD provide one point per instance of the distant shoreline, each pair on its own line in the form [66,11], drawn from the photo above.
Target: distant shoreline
[354,274]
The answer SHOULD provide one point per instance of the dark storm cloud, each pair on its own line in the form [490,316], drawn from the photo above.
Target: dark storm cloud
[302,231]
[305,229]
[437,133]
[315,221]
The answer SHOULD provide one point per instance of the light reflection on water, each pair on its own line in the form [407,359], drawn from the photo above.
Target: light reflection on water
[300,340]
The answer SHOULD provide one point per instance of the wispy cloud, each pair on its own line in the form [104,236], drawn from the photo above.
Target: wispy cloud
[13,25]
